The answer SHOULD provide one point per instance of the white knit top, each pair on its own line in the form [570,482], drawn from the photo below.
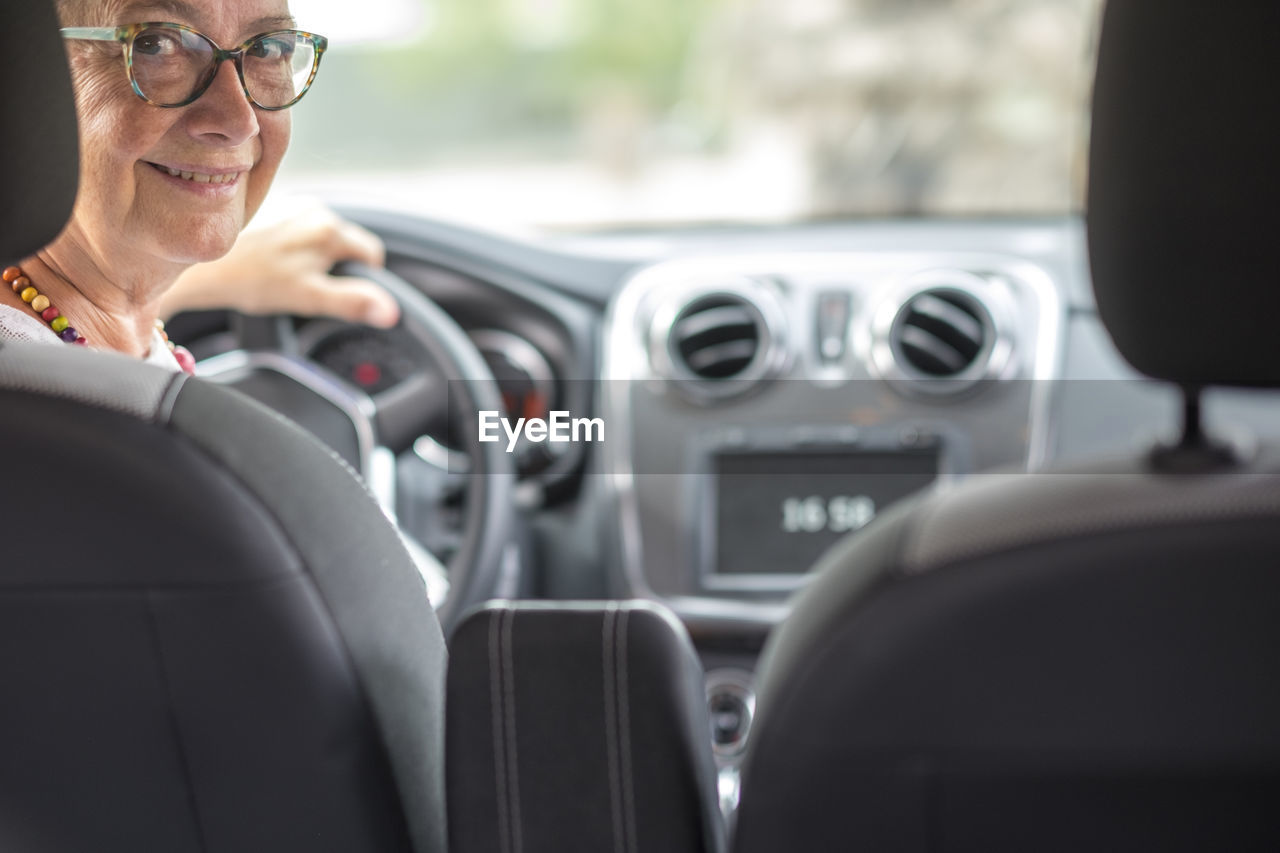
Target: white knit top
[17,325]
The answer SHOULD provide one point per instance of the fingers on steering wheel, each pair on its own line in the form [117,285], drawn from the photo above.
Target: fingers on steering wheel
[355,300]
[347,241]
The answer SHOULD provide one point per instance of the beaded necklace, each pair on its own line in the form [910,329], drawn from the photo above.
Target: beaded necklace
[39,303]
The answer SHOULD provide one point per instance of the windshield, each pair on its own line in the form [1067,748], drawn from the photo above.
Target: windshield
[590,113]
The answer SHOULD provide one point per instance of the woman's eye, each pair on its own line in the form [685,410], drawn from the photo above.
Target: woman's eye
[272,48]
[157,44]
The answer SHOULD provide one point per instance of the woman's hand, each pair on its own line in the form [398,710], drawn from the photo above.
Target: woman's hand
[284,269]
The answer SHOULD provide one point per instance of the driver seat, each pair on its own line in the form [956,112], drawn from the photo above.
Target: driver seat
[211,638]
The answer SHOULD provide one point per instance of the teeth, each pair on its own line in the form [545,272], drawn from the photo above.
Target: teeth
[200,177]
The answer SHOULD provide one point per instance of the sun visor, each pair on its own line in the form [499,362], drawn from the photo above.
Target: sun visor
[1184,188]
[38,148]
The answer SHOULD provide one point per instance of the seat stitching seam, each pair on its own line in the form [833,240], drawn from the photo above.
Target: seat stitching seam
[610,729]
[513,763]
[624,736]
[495,704]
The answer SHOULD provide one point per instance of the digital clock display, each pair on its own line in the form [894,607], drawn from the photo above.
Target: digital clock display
[777,512]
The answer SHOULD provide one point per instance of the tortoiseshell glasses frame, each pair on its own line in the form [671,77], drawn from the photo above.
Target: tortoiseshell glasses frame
[204,58]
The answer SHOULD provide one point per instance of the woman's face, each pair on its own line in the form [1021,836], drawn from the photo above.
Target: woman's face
[129,202]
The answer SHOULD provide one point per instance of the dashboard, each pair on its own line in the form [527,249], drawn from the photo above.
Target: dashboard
[762,392]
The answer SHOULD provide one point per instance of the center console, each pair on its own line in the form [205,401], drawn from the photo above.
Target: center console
[761,407]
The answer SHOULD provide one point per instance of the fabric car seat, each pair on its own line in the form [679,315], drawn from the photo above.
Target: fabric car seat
[1084,659]
[576,727]
[211,638]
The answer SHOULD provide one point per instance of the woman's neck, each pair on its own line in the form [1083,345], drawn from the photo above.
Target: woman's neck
[111,314]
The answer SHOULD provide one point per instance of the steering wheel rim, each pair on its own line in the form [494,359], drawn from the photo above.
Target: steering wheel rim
[486,557]
[488,537]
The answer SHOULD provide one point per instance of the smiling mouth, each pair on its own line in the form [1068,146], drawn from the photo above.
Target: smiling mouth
[197,177]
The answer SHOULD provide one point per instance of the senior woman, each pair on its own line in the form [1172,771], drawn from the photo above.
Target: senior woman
[183,112]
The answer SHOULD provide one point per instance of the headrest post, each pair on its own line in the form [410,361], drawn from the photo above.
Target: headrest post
[1193,435]
[1195,449]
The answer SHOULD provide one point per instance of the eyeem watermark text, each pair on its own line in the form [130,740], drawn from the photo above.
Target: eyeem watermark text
[560,428]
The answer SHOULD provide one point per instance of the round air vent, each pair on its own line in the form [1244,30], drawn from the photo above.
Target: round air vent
[716,337]
[941,333]
[718,342]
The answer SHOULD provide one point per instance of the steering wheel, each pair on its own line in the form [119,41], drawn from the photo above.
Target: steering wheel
[270,367]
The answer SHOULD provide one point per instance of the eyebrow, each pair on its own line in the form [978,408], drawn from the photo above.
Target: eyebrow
[274,21]
[182,9]
[177,8]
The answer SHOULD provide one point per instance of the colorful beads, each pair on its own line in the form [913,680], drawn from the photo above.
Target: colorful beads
[14,277]
[41,305]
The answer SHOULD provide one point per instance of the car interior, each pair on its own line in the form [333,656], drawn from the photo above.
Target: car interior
[921,534]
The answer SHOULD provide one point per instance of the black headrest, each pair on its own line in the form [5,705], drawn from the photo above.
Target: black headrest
[1184,188]
[39,149]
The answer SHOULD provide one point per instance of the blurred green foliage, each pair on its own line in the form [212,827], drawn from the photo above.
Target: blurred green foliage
[670,109]
[493,77]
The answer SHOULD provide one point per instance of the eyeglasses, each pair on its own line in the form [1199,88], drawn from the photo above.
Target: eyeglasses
[171,65]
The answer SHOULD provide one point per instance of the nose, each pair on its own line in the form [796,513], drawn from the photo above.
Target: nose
[223,115]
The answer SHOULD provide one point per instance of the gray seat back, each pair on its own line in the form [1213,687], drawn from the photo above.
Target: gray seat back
[1085,660]
[213,640]
[578,727]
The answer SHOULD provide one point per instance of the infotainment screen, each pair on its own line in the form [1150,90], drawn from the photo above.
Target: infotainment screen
[776,512]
